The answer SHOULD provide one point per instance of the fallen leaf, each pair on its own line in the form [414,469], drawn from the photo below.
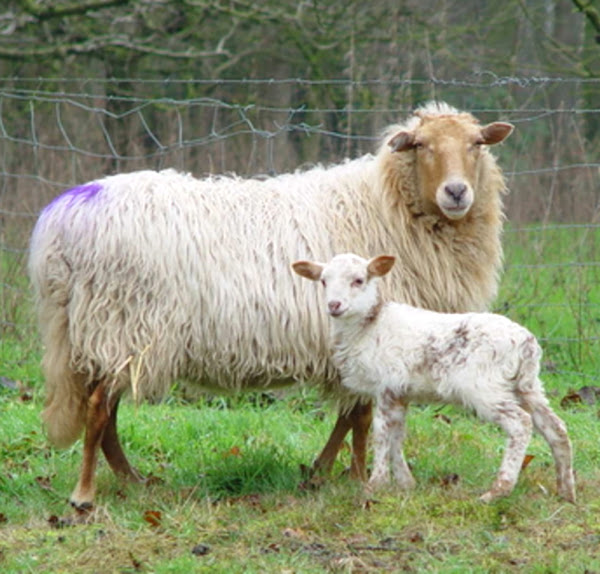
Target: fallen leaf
[588,395]
[444,418]
[528,458]
[449,480]
[153,517]
[152,480]
[233,451]
[200,550]
[356,539]
[416,537]
[366,505]
[272,548]
[44,482]
[294,533]
[137,565]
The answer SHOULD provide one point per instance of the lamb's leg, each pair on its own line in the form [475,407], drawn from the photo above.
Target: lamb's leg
[397,430]
[388,438]
[97,418]
[553,429]
[358,419]
[518,426]
[113,451]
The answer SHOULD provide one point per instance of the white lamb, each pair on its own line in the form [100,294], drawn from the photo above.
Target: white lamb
[397,353]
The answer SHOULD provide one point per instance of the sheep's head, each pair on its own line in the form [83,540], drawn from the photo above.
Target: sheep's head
[448,150]
[350,282]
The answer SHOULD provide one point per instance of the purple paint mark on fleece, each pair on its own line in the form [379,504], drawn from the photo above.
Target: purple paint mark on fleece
[80,193]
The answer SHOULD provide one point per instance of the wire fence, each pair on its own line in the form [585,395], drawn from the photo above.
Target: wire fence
[58,132]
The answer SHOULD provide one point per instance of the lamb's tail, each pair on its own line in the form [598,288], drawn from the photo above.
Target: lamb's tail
[66,393]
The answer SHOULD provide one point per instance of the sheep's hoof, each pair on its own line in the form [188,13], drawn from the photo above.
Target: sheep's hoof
[84,507]
[132,475]
[79,516]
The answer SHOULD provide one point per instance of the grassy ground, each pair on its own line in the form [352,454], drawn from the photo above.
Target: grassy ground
[223,492]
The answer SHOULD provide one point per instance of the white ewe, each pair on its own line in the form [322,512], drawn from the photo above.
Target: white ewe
[396,353]
[146,277]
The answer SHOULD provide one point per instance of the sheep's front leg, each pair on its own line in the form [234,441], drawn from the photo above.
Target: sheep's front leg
[518,426]
[113,451]
[388,438]
[358,419]
[362,416]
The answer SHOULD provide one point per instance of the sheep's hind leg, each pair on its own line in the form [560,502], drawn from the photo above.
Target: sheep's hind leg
[553,429]
[97,418]
[518,426]
[113,451]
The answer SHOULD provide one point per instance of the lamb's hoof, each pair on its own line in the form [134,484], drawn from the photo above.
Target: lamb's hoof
[492,495]
[406,484]
[568,495]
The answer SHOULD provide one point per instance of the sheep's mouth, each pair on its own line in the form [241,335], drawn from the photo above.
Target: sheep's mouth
[455,211]
[337,312]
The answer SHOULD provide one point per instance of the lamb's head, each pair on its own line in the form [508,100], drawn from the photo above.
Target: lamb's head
[350,282]
[448,148]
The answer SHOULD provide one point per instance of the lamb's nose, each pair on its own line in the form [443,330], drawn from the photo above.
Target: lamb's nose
[456,190]
[334,307]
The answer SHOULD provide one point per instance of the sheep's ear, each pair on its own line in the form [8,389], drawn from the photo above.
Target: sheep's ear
[308,269]
[402,141]
[380,266]
[495,133]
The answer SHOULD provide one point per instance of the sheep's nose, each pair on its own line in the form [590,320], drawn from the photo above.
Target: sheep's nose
[334,307]
[455,190]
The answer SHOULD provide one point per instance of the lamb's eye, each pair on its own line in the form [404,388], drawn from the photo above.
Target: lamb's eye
[323,282]
[357,282]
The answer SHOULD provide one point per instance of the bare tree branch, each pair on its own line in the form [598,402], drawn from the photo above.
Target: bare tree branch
[591,14]
[104,43]
[76,9]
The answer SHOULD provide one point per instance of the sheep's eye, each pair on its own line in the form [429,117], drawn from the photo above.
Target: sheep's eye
[357,282]
[323,282]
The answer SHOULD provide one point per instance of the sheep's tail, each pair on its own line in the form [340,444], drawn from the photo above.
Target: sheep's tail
[66,393]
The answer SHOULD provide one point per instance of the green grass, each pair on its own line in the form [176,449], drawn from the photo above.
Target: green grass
[224,496]
[227,479]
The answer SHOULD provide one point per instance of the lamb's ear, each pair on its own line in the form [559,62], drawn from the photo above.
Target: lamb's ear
[309,269]
[380,265]
[495,133]
[402,141]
